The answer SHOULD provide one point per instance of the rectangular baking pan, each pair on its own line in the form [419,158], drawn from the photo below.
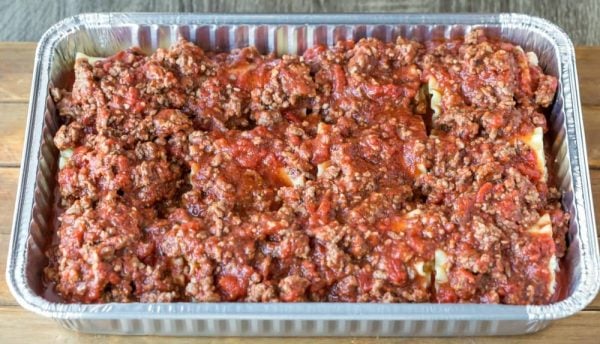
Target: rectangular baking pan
[105,34]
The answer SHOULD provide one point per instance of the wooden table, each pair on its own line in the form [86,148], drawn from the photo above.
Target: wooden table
[18,325]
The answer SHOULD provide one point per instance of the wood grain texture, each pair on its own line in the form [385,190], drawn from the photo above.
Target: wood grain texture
[12,130]
[13,118]
[588,72]
[8,188]
[28,19]
[6,299]
[16,69]
[21,326]
[591,120]
[16,324]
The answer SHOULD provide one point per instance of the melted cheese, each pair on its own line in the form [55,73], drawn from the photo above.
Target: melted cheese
[323,128]
[543,228]
[535,141]
[553,268]
[436,97]
[90,59]
[400,224]
[291,179]
[532,58]
[322,167]
[64,157]
[421,270]
[441,267]
[194,168]
[420,170]
[423,273]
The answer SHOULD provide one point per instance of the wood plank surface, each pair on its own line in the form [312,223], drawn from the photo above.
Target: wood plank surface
[8,189]
[28,19]
[588,72]
[25,326]
[16,69]
[15,84]
[13,117]
[16,324]
[12,130]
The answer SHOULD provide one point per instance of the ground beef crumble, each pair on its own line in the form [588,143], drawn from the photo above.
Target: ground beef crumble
[199,176]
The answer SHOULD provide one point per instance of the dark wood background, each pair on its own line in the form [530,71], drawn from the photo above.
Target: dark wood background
[26,20]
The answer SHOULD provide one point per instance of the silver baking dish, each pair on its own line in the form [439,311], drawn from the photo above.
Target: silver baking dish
[104,34]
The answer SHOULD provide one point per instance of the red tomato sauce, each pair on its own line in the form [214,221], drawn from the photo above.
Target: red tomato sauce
[206,177]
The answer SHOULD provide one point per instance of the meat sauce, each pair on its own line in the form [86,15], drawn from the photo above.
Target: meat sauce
[199,176]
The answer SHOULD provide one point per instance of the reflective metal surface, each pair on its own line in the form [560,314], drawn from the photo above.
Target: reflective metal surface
[105,34]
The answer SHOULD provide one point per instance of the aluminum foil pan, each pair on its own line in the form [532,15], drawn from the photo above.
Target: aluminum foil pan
[105,34]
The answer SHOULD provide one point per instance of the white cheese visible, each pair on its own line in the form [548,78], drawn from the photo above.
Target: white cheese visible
[90,59]
[436,97]
[322,167]
[419,268]
[421,169]
[553,268]
[194,168]
[441,267]
[413,213]
[535,141]
[532,58]
[290,179]
[64,157]
[543,228]
[423,272]
[400,224]
[323,128]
